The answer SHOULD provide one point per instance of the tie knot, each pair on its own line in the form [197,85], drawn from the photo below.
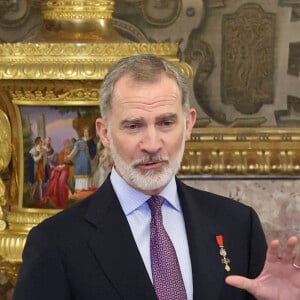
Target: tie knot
[155,203]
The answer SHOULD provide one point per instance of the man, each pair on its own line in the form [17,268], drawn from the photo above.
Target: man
[108,246]
[38,163]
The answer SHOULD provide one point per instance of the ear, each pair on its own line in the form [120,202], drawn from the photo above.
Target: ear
[190,122]
[101,129]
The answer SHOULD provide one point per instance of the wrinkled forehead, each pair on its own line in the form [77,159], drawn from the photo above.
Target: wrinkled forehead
[146,92]
[143,76]
[137,78]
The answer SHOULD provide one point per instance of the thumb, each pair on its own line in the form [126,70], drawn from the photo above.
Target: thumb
[239,282]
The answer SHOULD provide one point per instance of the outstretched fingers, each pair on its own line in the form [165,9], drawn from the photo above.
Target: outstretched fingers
[288,251]
[280,278]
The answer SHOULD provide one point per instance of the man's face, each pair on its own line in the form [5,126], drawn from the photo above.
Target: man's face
[146,132]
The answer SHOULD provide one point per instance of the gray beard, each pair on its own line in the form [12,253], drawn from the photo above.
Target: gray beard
[149,179]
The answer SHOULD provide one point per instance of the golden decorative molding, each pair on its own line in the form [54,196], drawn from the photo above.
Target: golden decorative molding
[29,217]
[78,21]
[5,141]
[77,9]
[11,246]
[243,151]
[80,96]
[12,240]
[5,158]
[10,269]
[3,202]
[65,61]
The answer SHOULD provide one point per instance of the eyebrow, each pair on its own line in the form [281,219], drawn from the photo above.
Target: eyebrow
[167,116]
[173,116]
[131,119]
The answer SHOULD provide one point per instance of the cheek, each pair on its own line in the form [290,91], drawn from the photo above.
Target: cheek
[175,142]
[124,147]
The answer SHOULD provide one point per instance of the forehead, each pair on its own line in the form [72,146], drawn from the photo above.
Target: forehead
[162,93]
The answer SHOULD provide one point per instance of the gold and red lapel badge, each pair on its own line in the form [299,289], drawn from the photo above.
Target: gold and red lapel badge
[225,260]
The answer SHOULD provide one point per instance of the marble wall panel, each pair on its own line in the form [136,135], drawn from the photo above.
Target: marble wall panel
[277,202]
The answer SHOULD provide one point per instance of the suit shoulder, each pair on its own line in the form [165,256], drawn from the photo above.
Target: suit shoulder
[70,214]
[77,218]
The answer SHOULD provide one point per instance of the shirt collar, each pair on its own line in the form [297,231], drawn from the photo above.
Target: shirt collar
[131,199]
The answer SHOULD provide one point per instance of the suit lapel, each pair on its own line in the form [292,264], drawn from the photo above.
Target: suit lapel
[114,247]
[208,271]
[117,254]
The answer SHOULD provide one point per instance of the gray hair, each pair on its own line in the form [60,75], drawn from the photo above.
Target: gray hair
[143,67]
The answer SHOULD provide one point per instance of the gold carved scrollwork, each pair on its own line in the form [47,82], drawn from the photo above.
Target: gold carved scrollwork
[77,9]
[5,157]
[48,96]
[9,269]
[243,151]
[66,61]
[2,203]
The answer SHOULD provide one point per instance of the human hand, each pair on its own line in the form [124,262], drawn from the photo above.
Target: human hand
[280,277]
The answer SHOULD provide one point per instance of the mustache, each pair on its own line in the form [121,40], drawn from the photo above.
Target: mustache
[148,159]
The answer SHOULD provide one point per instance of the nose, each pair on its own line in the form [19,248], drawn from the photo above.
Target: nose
[151,141]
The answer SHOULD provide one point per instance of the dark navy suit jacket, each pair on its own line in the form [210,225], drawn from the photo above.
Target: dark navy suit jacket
[87,252]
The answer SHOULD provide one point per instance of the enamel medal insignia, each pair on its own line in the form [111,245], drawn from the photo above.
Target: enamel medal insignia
[224,260]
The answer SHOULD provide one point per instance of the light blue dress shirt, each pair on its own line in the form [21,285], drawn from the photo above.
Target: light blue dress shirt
[137,211]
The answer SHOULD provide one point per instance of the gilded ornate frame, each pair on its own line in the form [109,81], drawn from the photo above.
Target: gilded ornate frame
[260,152]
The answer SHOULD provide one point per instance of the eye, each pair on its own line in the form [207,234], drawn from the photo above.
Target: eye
[166,123]
[133,126]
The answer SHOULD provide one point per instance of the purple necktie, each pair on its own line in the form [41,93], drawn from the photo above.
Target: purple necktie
[167,278]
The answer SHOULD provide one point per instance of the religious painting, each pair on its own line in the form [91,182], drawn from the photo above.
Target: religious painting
[64,160]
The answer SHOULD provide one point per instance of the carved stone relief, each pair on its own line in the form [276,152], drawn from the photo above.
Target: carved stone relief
[19,20]
[161,12]
[162,20]
[247,58]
